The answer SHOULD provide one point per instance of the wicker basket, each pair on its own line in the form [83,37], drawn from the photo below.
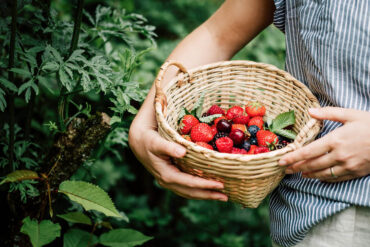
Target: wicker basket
[248,179]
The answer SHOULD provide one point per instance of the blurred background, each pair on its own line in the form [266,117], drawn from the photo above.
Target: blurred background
[170,219]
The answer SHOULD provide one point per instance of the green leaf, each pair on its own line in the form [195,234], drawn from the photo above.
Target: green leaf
[23,72]
[286,133]
[210,118]
[181,114]
[90,196]
[19,175]
[123,238]
[283,120]
[76,217]
[79,238]
[7,84]
[53,66]
[40,234]
[198,106]
[115,119]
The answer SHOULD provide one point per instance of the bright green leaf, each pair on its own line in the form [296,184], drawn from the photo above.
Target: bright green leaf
[210,118]
[115,119]
[76,217]
[79,238]
[53,66]
[283,120]
[90,196]
[40,233]
[123,238]
[290,134]
[198,106]
[20,175]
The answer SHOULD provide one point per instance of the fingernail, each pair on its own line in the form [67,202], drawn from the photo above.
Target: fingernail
[180,151]
[288,171]
[282,162]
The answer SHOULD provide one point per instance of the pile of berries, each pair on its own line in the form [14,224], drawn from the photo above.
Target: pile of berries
[237,130]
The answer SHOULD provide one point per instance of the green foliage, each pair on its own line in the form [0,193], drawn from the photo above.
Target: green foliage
[90,196]
[79,238]
[41,233]
[19,175]
[25,189]
[123,238]
[76,217]
[282,121]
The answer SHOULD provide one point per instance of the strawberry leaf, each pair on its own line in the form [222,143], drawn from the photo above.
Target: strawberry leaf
[198,106]
[283,120]
[210,118]
[290,134]
[181,114]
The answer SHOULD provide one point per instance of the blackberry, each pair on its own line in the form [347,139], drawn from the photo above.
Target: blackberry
[213,144]
[253,129]
[253,141]
[246,145]
[219,135]
[282,144]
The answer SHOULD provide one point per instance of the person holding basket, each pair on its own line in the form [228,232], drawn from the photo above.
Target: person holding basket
[324,200]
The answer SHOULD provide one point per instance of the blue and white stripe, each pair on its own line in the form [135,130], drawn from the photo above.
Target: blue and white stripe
[328,49]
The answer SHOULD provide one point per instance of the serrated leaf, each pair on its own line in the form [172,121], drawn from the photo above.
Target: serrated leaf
[79,238]
[19,175]
[123,238]
[286,133]
[40,234]
[210,118]
[7,84]
[76,217]
[283,120]
[90,196]
[198,106]
[23,72]
[53,66]
[115,119]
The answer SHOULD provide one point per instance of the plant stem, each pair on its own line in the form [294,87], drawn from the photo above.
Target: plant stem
[63,99]
[11,78]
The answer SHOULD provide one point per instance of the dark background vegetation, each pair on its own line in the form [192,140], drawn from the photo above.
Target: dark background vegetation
[171,220]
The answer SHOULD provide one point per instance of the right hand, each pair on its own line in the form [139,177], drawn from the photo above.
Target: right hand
[154,153]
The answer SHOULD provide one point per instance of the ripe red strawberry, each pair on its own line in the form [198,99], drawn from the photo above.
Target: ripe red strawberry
[260,150]
[205,145]
[258,121]
[252,149]
[218,119]
[243,119]
[187,122]
[266,138]
[234,112]
[224,144]
[239,127]
[201,132]
[214,129]
[186,137]
[215,109]
[254,109]
[238,151]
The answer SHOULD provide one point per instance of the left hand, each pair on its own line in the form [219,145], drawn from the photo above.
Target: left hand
[341,155]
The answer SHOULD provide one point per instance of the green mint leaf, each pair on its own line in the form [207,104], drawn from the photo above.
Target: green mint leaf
[283,120]
[182,113]
[210,118]
[290,134]
[198,106]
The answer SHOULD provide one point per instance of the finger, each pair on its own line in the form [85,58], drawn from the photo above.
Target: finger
[315,164]
[324,174]
[198,194]
[312,150]
[173,176]
[160,146]
[340,179]
[337,114]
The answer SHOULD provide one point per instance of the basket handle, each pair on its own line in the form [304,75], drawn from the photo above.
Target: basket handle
[306,133]
[160,97]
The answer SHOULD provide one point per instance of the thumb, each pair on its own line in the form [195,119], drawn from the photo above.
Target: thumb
[161,146]
[337,114]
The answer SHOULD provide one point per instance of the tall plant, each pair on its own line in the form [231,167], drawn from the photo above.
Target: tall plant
[62,66]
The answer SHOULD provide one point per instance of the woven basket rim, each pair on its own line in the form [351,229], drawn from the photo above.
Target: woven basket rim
[228,156]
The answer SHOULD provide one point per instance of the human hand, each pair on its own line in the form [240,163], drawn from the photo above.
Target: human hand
[154,153]
[341,155]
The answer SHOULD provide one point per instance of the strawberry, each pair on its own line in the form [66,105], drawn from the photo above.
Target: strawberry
[234,112]
[186,137]
[187,122]
[239,127]
[224,144]
[254,109]
[260,150]
[201,132]
[238,151]
[218,119]
[215,109]
[243,119]
[266,138]
[214,129]
[205,145]
[252,149]
[258,121]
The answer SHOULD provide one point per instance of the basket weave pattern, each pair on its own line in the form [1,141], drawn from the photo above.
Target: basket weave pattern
[248,179]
